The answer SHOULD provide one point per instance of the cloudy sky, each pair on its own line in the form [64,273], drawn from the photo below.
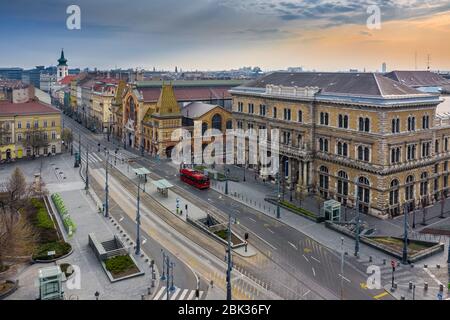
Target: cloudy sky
[327,35]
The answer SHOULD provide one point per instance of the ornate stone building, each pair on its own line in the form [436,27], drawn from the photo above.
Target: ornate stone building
[344,135]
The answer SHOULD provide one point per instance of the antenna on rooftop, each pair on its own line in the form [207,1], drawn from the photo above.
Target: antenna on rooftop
[428,62]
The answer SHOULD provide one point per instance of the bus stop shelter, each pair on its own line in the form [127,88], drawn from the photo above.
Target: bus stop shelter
[163,187]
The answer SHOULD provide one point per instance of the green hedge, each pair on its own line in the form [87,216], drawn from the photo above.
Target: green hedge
[61,248]
[43,219]
[298,209]
[69,225]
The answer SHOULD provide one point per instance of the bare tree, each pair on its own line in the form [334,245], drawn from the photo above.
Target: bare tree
[17,236]
[15,189]
[35,138]
[67,137]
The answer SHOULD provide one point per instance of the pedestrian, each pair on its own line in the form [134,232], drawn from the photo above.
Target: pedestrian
[264,180]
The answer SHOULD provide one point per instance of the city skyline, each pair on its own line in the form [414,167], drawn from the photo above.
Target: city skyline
[218,35]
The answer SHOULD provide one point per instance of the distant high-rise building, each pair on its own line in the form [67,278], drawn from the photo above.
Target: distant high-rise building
[11,73]
[62,69]
[176,69]
[384,67]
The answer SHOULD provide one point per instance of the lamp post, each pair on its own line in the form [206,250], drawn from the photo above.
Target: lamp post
[226,181]
[138,219]
[358,212]
[424,212]
[442,205]
[229,268]
[87,168]
[405,235]
[342,268]
[414,217]
[107,187]
[278,196]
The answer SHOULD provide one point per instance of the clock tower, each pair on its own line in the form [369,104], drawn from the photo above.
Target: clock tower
[63,69]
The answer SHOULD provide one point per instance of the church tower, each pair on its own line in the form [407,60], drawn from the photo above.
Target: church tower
[63,69]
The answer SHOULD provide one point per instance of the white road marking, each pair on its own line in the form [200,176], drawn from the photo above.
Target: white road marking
[252,219]
[344,278]
[191,295]
[305,258]
[174,295]
[159,294]
[270,230]
[293,245]
[317,260]
[314,272]
[144,241]
[121,218]
[183,294]
[307,292]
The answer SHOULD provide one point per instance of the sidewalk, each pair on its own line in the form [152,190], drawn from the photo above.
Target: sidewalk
[91,274]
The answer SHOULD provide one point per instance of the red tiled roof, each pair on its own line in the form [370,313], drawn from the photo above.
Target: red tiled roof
[188,94]
[67,79]
[28,108]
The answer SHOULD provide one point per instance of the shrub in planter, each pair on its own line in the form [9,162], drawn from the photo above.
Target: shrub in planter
[61,248]
[69,225]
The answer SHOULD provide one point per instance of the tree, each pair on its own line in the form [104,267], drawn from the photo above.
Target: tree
[35,138]
[14,190]
[17,236]
[67,137]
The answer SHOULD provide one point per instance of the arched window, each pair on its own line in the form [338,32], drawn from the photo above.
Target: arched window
[411,123]
[230,124]
[204,127]
[364,124]
[393,194]
[217,122]
[323,181]
[132,109]
[342,185]
[364,190]
[409,188]
[342,149]
[363,153]
[423,184]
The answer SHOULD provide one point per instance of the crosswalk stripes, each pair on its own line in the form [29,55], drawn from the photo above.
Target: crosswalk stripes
[401,274]
[177,294]
[93,158]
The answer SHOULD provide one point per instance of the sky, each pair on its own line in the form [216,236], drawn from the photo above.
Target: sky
[325,35]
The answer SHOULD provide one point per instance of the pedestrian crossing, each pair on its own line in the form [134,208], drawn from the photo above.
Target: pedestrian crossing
[177,294]
[93,158]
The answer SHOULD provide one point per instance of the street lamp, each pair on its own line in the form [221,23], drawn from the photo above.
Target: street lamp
[107,187]
[358,212]
[226,181]
[342,268]
[230,266]
[138,219]
[278,196]
[405,236]
[87,168]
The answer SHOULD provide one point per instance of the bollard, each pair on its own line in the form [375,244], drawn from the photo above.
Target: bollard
[370,258]
[425,286]
[438,266]
[142,297]
[149,291]
[425,266]
[402,298]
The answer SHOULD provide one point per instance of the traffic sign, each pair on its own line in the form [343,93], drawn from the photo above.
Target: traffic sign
[393,264]
[440,295]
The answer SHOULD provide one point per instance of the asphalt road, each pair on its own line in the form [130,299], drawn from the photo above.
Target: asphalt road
[294,255]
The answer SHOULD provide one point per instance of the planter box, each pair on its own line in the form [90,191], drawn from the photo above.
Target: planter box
[434,247]
[317,219]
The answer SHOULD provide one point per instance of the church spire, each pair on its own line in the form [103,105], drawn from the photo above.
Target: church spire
[62,61]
